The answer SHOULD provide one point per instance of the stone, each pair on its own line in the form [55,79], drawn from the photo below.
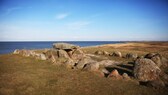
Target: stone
[125,76]
[92,67]
[52,59]
[62,54]
[42,57]
[78,55]
[105,71]
[105,53]
[83,62]
[64,46]
[114,74]
[24,52]
[117,54]
[70,63]
[150,55]
[155,57]
[50,54]
[107,63]
[157,60]
[98,73]
[99,52]
[16,51]
[146,70]
[130,55]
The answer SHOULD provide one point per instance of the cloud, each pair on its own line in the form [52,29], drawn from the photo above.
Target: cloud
[10,10]
[61,16]
[78,25]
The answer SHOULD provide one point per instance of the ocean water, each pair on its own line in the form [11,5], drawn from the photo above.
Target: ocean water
[8,47]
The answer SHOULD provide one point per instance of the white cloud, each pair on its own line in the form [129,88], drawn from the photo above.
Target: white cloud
[78,25]
[10,10]
[61,16]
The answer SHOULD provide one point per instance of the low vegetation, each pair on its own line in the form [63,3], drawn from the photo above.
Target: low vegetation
[28,76]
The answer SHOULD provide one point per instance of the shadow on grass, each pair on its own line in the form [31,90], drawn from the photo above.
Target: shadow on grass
[123,68]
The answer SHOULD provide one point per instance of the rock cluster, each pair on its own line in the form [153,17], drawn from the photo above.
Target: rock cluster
[32,53]
[147,69]
[117,54]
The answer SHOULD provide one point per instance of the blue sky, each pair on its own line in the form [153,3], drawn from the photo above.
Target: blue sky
[83,20]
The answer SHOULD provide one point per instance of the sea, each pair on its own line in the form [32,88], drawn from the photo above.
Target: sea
[9,47]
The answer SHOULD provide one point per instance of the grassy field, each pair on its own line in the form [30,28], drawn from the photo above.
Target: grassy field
[28,76]
[140,48]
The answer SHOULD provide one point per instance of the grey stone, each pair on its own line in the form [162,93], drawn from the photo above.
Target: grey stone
[42,57]
[64,46]
[92,67]
[125,76]
[99,52]
[83,62]
[107,63]
[130,55]
[117,54]
[146,70]
[62,54]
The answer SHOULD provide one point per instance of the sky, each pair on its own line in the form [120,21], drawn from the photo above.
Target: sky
[83,20]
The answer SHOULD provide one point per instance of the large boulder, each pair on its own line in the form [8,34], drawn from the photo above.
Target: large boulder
[155,57]
[51,53]
[83,62]
[116,54]
[64,46]
[92,66]
[146,70]
[78,54]
[131,55]
[62,54]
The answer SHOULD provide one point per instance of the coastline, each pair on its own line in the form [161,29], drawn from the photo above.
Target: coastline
[55,71]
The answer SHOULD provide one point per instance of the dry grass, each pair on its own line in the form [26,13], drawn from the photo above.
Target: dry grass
[140,48]
[27,76]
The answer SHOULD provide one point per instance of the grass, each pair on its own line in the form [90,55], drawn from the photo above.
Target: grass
[27,76]
[140,48]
